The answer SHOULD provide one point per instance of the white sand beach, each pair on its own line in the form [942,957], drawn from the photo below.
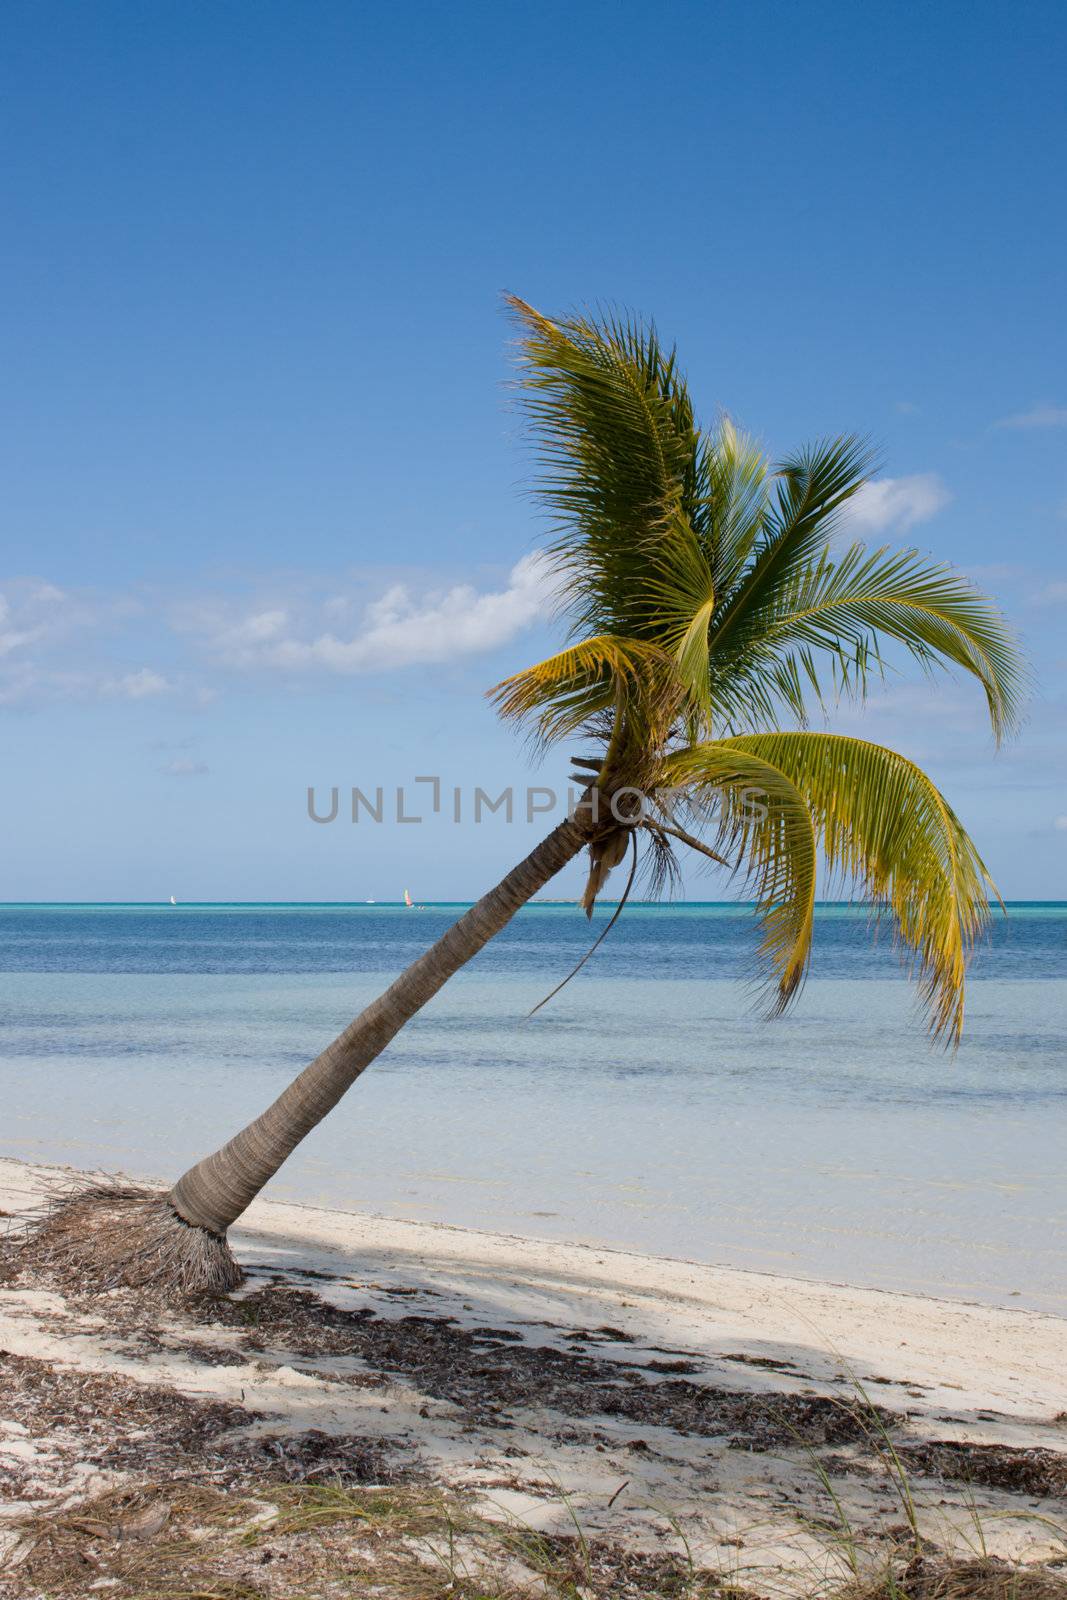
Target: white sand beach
[553,1381]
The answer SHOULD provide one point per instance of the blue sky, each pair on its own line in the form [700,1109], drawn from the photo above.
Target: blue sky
[255,431]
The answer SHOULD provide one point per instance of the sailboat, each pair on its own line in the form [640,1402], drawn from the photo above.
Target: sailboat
[408,901]
[173,901]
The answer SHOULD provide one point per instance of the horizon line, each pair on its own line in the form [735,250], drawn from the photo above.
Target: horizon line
[369,904]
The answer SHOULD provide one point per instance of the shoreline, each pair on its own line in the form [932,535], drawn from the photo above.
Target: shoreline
[475,1271]
[297,1219]
[544,1381]
[375,1219]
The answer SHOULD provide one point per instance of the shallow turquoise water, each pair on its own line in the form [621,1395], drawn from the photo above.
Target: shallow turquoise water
[646,1108]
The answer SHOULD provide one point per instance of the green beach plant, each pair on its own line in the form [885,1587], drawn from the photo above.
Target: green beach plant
[714,602]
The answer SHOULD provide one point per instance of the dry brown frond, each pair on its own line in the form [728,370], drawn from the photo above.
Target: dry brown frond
[111,1235]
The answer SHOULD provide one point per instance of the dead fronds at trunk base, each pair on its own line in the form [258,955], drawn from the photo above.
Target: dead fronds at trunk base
[104,1235]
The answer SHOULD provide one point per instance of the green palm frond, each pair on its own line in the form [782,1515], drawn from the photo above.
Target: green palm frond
[758,814]
[617,443]
[569,690]
[813,486]
[681,587]
[885,827]
[733,509]
[845,609]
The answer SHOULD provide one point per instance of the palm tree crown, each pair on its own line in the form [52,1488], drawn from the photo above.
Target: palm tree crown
[709,608]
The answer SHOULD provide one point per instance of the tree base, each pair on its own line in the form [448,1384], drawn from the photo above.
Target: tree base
[108,1236]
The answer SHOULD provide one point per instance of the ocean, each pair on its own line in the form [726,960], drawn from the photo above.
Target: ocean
[648,1107]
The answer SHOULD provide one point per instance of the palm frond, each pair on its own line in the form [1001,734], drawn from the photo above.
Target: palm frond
[885,827]
[681,587]
[617,443]
[813,486]
[758,814]
[733,508]
[571,689]
[662,873]
[845,609]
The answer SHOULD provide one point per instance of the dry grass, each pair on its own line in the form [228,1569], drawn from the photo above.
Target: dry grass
[188,1543]
[183,1542]
[983,1578]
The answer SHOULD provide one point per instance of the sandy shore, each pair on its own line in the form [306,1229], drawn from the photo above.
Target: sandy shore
[552,1381]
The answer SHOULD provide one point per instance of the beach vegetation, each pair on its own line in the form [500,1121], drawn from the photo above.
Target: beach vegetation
[175,1541]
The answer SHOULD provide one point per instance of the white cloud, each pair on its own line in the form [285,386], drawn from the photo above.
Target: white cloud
[13,639]
[59,645]
[18,686]
[1054,593]
[1060,824]
[49,637]
[897,503]
[908,703]
[183,767]
[34,618]
[29,684]
[262,628]
[135,685]
[1036,417]
[28,612]
[398,629]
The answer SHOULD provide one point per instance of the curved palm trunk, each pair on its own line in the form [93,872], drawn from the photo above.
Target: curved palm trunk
[213,1194]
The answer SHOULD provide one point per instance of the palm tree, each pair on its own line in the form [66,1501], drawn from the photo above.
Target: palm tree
[710,609]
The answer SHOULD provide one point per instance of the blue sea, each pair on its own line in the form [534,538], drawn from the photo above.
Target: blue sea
[648,1107]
